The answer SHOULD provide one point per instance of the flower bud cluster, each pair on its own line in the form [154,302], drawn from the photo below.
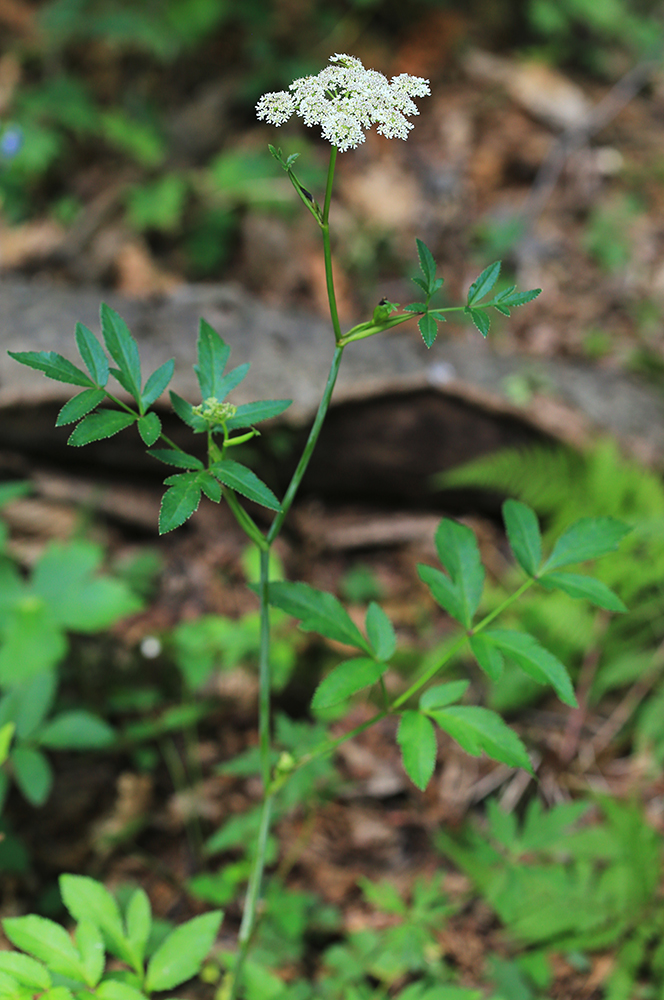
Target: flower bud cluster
[215,412]
[346,99]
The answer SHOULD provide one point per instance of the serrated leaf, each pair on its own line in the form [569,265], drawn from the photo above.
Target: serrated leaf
[180,459]
[47,941]
[511,299]
[586,587]
[487,655]
[427,263]
[417,739]
[478,730]
[93,953]
[230,381]
[443,694]
[181,955]
[149,427]
[458,551]
[523,534]
[100,425]
[89,900]
[535,660]
[92,353]
[242,480]
[178,504]
[416,307]
[25,970]
[123,349]
[380,632]
[79,405]
[481,319]
[443,591]
[213,355]
[589,538]
[253,413]
[185,412]
[123,379]
[483,284]
[157,383]
[210,487]
[139,922]
[76,730]
[345,680]
[53,365]
[428,328]
[317,611]
[421,284]
[32,773]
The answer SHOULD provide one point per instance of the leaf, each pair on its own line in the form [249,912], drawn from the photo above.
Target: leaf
[243,480]
[428,328]
[33,642]
[87,899]
[509,298]
[112,989]
[586,587]
[100,425]
[185,412]
[253,413]
[93,356]
[458,552]
[32,773]
[524,535]
[380,632]
[93,953]
[25,970]
[443,694]
[484,283]
[417,739]
[443,591]
[79,405]
[230,381]
[53,365]
[345,680]
[427,263]
[535,660]
[76,730]
[46,941]
[66,577]
[178,504]
[210,487]
[149,427]
[181,955]
[317,611]
[32,702]
[481,319]
[123,349]
[487,655]
[479,729]
[180,459]
[213,355]
[589,538]
[139,922]
[157,383]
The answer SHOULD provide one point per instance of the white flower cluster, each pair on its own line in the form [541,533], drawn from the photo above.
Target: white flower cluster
[345,99]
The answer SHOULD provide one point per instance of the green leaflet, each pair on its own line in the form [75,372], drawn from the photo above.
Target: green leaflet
[534,659]
[93,355]
[523,534]
[213,355]
[345,680]
[318,611]
[484,283]
[79,405]
[478,730]
[586,587]
[181,955]
[242,480]
[53,365]
[100,425]
[417,739]
[589,538]
[123,349]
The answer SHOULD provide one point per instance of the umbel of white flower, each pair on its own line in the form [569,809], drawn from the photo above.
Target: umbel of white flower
[345,99]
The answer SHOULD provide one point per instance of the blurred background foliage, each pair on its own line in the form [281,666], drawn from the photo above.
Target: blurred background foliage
[150,105]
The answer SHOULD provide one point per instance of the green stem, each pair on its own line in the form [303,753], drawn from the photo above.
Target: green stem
[312,440]
[265,680]
[245,521]
[229,990]
[327,247]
